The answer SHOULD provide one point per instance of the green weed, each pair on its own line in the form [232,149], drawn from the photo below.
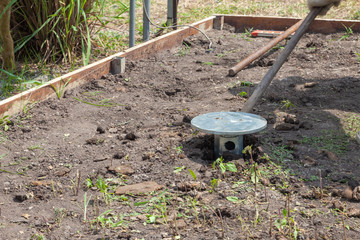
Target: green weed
[179,169]
[37,237]
[224,166]
[178,149]
[156,207]
[329,140]
[208,63]
[247,34]
[184,50]
[356,15]
[213,184]
[243,94]
[5,122]
[287,222]
[108,220]
[104,189]
[95,99]
[60,91]
[348,32]
[352,124]
[287,104]
[277,47]
[246,84]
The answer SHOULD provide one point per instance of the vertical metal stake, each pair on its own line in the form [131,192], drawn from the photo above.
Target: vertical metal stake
[146,23]
[175,5]
[132,24]
[170,16]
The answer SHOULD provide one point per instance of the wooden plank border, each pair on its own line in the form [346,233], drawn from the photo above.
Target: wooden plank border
[325,26]
[97,69]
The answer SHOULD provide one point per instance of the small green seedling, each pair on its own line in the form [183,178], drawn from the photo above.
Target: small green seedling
[5,122]
[243,94]
[247,34]
[232,199]
[208,63]
[184,50]
[277,47]
[246,83]
[60,91]
[178,149]
[348,33]
[224,166]
[214,183]
[255,173]
[358,56]
[89,183]
[287,104]
[103,187]
[287,222]
[108,221]
[179,169]
[192,174]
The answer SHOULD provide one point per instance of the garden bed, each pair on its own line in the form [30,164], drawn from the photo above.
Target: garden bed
[68,164]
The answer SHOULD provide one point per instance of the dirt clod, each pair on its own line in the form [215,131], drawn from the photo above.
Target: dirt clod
[100,129]
[144,187]
[124,169]
[130,136]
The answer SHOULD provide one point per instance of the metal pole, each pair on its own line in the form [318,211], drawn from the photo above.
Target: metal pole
[146,23]
[170,15]
[132,24]
[265,82]
[175,4]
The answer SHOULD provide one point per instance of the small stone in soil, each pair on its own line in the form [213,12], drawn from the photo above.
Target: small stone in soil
[310,84]
[347,193]
[119,155]
[130,136]
[95,141]
[283,127]
[124,169]
[100,129]
[62,172]
[353,212]
[356,193]
[113,130]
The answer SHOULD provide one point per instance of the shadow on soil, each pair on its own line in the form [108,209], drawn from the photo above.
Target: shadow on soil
[311,130]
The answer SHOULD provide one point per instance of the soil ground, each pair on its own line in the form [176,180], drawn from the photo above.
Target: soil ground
[68,166]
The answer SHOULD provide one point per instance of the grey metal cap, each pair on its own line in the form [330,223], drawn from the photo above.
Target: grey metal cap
[229,123]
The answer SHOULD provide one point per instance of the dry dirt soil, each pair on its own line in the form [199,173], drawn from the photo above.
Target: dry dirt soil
[117,158]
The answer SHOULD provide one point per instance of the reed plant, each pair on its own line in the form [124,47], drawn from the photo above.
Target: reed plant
[57,30]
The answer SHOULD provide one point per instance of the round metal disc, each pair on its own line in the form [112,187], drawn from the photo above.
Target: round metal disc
[229,123]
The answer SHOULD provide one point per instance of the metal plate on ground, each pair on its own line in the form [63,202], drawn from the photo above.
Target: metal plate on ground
[229,123]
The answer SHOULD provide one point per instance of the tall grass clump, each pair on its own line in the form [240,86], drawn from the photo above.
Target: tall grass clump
[56,30]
